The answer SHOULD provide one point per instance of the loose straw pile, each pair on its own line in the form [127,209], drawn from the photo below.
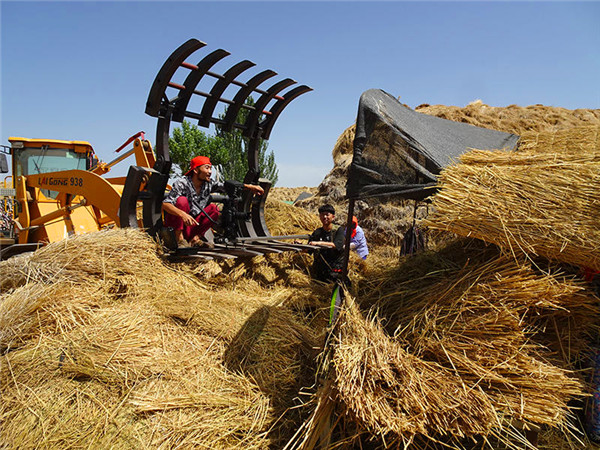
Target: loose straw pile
[471,348]
[283,219]
[103,345]
[541,200]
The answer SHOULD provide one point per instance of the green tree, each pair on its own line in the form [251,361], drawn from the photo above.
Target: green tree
[229,149]
[189,141]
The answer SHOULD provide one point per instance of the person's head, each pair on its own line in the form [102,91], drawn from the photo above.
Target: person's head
[201,167]
[326,215]
[353,226]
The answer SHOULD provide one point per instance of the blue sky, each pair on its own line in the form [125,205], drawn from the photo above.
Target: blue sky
[82,70]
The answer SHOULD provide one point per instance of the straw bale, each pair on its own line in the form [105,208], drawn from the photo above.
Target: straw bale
[283,219]
[541,200]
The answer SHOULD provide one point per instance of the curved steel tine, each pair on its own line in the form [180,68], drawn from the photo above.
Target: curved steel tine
[192,80]
[267,124]
[242,95]
[153,104]
[218,89]
[261,104]
[245,226]
[257,210]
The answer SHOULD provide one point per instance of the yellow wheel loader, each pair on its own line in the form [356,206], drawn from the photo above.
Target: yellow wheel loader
[57,189]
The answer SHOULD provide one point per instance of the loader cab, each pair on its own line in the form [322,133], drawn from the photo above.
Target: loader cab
[35,156]
[3,163]
[42,215]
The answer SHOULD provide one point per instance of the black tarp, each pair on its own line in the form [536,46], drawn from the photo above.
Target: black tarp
[398,151]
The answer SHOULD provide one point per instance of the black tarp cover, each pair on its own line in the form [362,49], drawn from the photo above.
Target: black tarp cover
[398,151]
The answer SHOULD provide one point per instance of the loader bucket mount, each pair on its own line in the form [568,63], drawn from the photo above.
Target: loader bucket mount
[173,101]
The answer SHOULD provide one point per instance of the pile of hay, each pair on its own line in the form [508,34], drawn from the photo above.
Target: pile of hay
[457,346]
[284,219]
[541,200]
[513,118]
[289,194]
[396,216]
[102,345]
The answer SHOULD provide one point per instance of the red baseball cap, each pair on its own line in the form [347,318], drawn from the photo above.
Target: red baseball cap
[197,162]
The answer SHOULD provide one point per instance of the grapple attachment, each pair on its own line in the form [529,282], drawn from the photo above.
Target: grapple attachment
[171,100]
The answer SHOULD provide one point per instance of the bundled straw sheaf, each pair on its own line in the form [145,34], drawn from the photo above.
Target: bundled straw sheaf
[541,200]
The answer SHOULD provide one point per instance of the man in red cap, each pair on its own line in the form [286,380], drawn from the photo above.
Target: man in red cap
[189,197]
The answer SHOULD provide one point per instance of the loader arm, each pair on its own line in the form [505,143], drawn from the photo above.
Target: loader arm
[96,190]
[174,101]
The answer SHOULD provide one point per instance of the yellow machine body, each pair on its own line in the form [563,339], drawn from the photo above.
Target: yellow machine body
[60,191]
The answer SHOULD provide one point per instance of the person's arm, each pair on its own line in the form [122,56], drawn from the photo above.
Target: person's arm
[168,206]
[254,188]
[339,239]
[312,239]
[323,244]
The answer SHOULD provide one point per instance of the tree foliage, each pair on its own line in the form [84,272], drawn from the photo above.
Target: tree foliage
[229,149]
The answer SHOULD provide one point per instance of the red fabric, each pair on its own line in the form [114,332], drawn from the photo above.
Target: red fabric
[588,274]
[197,162]
[204,223]
[354,225]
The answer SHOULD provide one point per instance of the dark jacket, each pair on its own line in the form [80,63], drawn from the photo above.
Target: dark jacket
[327,265]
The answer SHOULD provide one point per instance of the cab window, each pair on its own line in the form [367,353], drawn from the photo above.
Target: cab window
[33,161]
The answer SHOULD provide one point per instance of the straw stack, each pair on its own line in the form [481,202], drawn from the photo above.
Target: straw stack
[515,119]
[541,200]
[103,345]
[283,219]
[461,344]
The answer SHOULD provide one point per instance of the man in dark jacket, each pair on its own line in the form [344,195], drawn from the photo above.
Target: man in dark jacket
[327,265]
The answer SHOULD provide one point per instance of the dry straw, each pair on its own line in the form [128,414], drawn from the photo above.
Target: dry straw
[283,219]
[515,119]
[103,345]
[460,344]
[541,200]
